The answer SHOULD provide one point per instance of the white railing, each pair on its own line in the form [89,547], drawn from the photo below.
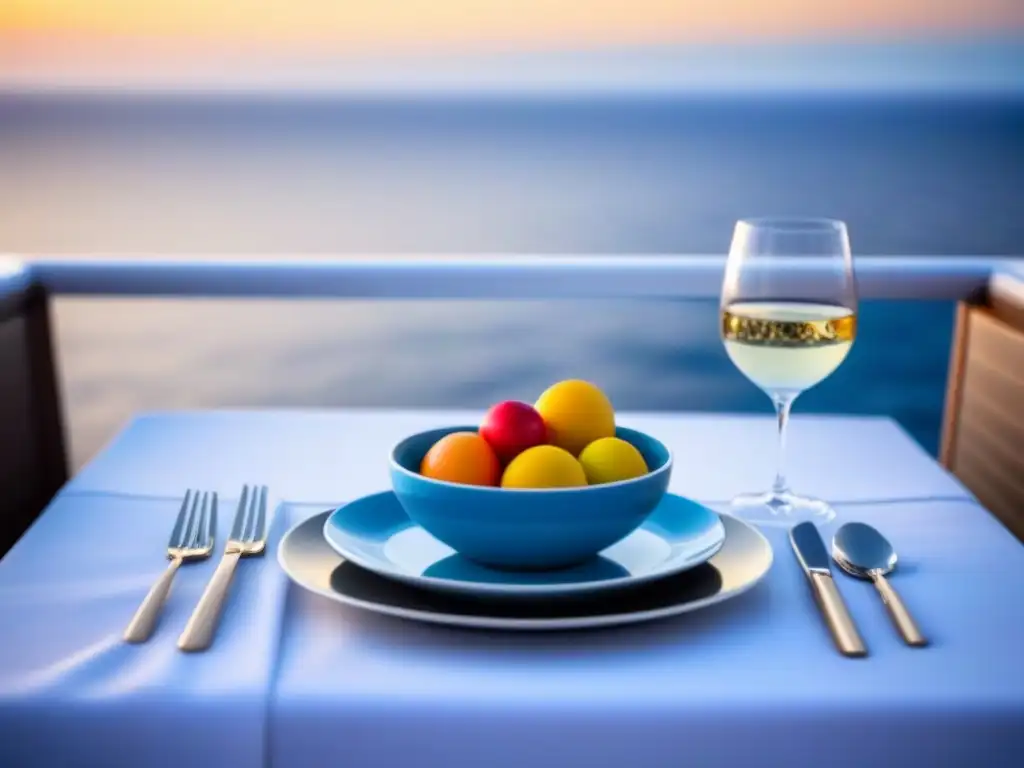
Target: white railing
[490,277]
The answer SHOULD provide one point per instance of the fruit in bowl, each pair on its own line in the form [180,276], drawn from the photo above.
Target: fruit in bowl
[512,427]
[576,414]
[611,459]
[462,457]
[544,466]
[516,505]
[566,439]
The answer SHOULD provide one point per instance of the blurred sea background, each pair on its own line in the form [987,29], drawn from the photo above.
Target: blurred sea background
[655,150]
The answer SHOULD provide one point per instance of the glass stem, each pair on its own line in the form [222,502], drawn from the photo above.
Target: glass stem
[782,405]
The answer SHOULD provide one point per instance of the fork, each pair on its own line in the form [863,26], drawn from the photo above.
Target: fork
[192,539]
[248,538]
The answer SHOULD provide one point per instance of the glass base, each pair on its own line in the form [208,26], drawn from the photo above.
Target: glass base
[783,509]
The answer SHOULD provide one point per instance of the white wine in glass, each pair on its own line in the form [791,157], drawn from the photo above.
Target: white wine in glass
[789,318]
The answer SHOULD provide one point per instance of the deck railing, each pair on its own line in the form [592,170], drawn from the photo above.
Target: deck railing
[33,460]
[452,277]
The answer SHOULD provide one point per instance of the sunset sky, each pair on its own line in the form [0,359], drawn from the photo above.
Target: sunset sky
[51,39]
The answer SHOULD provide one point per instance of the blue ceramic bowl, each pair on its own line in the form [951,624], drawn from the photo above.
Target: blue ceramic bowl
[527,528]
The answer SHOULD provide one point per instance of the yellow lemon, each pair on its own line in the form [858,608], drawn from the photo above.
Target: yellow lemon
[543,466]
[611,459]
[576,414]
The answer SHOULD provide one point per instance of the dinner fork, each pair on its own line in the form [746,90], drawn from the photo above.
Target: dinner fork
[191,540]
[248,538]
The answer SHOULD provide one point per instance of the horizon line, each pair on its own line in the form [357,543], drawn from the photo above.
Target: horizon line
[962,64]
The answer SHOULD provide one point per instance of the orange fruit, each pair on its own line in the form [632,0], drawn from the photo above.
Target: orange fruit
[576,414]
[544,466]
[462,457]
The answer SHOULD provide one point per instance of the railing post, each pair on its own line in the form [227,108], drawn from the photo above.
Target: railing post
[33,460]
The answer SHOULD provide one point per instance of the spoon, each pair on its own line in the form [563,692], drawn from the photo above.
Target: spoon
[863,552]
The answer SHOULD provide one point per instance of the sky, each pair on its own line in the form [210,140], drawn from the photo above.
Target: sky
[126,41]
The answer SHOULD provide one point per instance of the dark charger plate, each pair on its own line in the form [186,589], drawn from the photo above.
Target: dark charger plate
[741,563]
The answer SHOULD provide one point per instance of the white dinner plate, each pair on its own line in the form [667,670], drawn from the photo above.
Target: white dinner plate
[376,533]
[743,560]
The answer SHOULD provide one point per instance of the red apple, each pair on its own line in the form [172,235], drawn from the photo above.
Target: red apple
[511,427]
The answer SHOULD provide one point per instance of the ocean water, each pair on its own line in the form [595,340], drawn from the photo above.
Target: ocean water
[303,177]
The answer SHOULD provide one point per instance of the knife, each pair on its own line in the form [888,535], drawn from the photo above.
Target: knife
[810,551]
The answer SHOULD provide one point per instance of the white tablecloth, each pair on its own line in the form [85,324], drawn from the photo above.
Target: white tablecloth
[754,681]
[73,694]
[331,456]
[304,682]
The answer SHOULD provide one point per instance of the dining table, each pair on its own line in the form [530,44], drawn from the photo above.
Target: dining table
[294,680]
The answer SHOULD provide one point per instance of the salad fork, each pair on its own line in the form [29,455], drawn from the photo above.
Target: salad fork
[248,538]
[191,540]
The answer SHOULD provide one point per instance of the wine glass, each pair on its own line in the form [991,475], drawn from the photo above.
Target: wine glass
[789,318]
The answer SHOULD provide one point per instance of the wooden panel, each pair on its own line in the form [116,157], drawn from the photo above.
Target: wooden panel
[1006,300]
[1002,459]
[983,436]
[991,402]
[17,438]
[954,385]
[996,343]
[974,469]
[33,465]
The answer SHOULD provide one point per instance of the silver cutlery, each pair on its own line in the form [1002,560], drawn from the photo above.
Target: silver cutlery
[810,551]
[248,538]
[864,553]
[192,539]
